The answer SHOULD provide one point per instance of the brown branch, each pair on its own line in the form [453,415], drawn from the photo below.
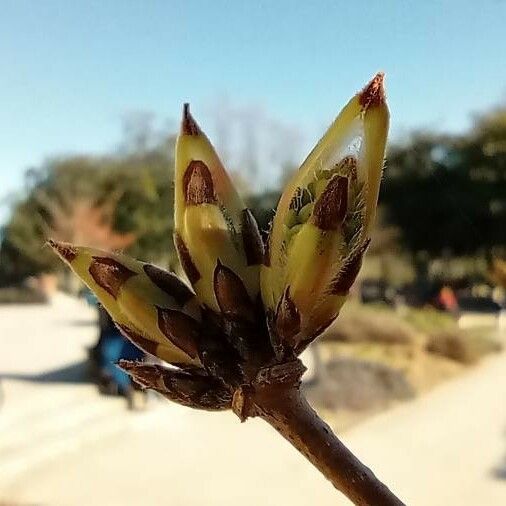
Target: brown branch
[289,413]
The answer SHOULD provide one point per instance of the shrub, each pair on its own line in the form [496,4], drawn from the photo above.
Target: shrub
[370,326]
[466,349]
[21,295]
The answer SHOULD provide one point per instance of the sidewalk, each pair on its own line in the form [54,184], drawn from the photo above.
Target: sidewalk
[61,444]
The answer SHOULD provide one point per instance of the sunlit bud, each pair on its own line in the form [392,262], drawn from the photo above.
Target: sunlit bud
[189,388]
[151,307]
[323,221]
[213,228]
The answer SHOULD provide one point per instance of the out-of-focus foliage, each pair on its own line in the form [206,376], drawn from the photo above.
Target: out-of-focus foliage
[449,193]
[73,195]
[467,349]
[21,295]
[441,194]
[498,272]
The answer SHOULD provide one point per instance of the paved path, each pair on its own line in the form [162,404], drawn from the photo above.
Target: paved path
[61,444]
[446,448]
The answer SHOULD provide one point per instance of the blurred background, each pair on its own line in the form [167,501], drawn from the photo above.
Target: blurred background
[412,375]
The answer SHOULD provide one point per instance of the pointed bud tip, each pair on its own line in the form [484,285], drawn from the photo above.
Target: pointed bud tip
[64,249]
[188,124]
[127,365]
[143,374]
[374,93]
[135,368]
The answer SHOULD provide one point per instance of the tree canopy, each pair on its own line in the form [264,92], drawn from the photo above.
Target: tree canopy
[107,201]
[448,193]
[441,194]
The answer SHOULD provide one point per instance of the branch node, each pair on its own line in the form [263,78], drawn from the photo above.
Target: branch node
[242,402]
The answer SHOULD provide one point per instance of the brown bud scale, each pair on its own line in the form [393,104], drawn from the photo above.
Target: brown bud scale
[139,341]
[231,294]
[109,274]
[330,209]
[267,252]
[373,94]
[189,389]
[181,330]
[301,197]
[186,260]
[287,318]
[198,184]
[347,275]
[348,167]
[251,239]
[188,124]
[169,283]
[65,250]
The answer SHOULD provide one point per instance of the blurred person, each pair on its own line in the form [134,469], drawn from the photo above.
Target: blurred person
[110,348]
[447,300]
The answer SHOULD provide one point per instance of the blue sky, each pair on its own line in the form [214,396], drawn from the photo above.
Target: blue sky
[71,70]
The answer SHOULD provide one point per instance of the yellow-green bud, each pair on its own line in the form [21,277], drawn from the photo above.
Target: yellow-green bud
[322,224]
